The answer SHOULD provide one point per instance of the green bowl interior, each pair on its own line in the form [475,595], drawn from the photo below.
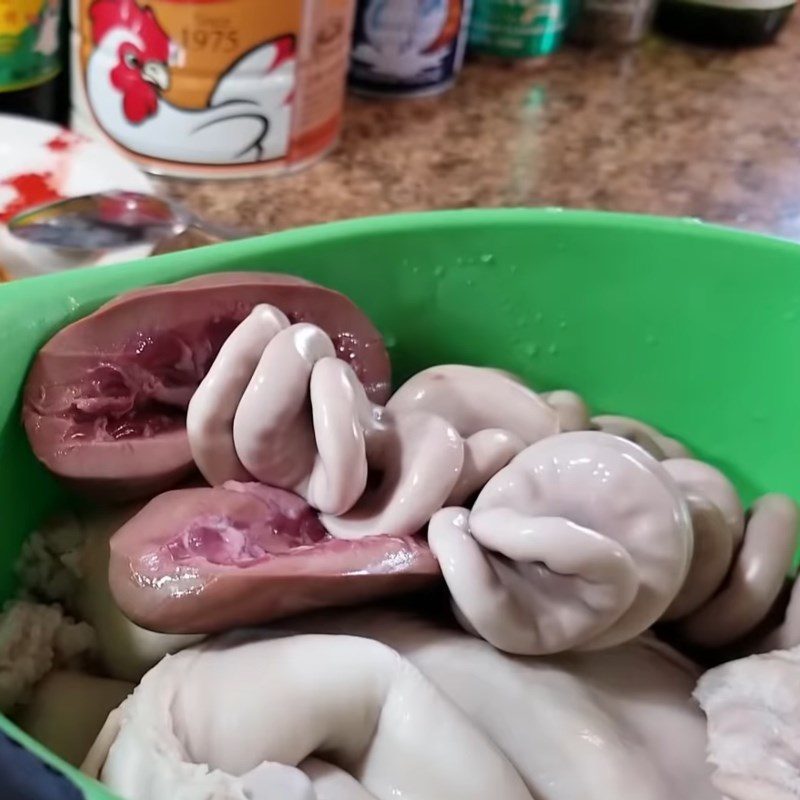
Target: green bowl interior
[693,328]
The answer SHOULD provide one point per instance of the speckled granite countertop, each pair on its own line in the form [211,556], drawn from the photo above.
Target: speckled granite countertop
[663,129]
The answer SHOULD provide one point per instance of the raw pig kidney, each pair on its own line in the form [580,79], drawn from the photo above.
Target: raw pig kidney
[206,560]
[105,401]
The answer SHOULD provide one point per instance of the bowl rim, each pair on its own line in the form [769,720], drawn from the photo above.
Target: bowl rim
[149,271]
[406,222]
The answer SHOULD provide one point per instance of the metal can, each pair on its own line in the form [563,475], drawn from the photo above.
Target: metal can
[517,30]
[212,88]
[408,48]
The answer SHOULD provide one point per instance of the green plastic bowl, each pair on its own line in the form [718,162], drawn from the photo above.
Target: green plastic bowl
[693,328]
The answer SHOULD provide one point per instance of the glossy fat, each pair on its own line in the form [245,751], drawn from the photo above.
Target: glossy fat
[187,732]
[598,726]
[618,723]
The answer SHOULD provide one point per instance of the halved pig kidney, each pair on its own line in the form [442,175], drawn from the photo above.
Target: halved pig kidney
[205,560]
[105,401]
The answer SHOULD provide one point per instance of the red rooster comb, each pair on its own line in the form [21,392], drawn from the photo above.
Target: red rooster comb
[284,50]
[109,14]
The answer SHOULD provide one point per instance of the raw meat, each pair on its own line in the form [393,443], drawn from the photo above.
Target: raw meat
[753,708]
[606,725]
[411,711]
[105,401]
[581,542]
[66,561]
[204,560]
[233,718]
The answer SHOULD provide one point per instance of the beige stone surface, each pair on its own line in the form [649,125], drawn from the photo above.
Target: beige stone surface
[663,128]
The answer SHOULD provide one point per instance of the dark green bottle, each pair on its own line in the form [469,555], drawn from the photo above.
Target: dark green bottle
[33,74]
[726,23]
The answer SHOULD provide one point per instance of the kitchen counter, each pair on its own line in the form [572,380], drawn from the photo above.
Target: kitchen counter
[662,129]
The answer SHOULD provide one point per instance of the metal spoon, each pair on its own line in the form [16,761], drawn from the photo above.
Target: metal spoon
[109,220]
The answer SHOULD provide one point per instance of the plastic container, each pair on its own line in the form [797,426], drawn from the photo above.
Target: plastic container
[203,89]
[694,328]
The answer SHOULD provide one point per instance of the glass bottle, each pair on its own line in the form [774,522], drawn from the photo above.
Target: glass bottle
[32,74]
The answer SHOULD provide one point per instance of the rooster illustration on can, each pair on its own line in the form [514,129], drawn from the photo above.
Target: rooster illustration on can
[183,84]
[129,71]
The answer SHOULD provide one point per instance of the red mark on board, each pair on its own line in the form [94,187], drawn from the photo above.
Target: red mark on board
[64,141]
[31,189]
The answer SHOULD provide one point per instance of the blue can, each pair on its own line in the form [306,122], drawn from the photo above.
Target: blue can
[407,48]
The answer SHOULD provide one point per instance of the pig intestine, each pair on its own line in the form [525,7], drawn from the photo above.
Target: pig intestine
[580,540]
[350,699]
[343,708]
[584,541]
[278,406]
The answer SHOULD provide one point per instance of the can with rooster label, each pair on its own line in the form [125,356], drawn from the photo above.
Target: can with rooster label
[212,88]
[407,48]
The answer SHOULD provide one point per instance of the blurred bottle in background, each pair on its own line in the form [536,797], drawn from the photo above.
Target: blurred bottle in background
[729,23]
[408,48]
[32,73]
[523,32]
[612,22]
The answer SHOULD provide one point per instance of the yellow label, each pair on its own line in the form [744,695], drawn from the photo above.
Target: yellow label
[16,15]
[29,42]
[214,34]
